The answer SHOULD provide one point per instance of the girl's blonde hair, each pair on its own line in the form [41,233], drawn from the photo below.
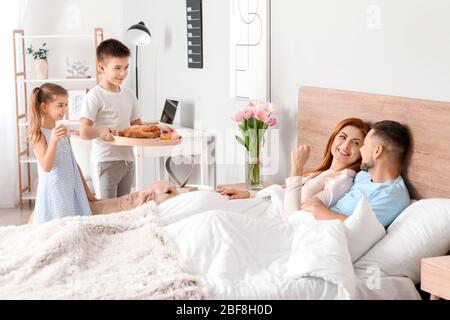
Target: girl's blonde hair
[46,93]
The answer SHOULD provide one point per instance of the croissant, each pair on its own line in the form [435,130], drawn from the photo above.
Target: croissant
[141,131]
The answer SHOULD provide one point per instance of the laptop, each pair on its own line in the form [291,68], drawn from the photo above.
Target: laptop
[169,111]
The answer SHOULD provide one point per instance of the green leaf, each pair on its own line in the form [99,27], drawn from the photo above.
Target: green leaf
[261,124]
[239,139]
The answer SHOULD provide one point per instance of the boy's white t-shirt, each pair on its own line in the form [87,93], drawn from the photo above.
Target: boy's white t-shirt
[112,110]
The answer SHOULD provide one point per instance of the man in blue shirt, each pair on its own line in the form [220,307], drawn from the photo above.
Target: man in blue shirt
[383,152]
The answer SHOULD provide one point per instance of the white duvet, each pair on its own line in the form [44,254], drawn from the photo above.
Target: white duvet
[243,250]
[238,249]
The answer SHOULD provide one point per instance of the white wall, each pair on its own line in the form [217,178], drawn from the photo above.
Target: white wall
[164,72]
[55,17]
[328,43]
[9,187]
[71,17]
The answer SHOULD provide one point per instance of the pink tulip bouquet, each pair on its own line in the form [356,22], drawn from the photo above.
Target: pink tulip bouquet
[253,122]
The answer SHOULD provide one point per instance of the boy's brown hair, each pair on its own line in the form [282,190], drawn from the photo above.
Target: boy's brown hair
[112,48]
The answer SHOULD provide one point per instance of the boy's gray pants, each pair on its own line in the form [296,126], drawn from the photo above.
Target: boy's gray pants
[115,178]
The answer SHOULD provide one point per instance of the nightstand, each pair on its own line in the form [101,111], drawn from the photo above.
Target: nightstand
[435,277]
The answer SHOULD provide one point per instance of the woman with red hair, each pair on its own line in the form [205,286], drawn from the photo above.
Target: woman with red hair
[331,179]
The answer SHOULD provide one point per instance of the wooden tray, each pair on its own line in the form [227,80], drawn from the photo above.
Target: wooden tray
[132,142]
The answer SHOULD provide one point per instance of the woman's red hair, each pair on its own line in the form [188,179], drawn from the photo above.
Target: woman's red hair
[328,157]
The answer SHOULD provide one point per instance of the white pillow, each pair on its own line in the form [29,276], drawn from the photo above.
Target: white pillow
[363,230]
[422,230]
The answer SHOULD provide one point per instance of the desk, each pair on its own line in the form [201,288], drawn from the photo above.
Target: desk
[195,142]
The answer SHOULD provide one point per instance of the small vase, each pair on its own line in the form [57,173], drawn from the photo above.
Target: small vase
[253,172]
[41,68]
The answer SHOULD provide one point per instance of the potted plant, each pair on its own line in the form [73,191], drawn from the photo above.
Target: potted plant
[40,59]
[77,70]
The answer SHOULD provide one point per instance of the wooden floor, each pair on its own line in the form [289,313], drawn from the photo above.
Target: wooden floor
[14,216]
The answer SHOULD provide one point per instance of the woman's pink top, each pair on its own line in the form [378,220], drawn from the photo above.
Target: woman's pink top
[329,186]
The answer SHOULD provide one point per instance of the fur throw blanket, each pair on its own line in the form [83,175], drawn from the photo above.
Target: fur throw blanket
[124,255]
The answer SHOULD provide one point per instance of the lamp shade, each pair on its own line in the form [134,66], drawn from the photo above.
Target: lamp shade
[139,35]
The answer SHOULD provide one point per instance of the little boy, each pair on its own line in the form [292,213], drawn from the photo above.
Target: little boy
[108,108]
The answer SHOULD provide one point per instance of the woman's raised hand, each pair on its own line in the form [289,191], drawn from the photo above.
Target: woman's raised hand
[58,132]
[233,193]
[299,157]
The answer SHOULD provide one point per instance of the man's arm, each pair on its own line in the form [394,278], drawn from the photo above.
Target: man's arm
[320,211]
[89,194]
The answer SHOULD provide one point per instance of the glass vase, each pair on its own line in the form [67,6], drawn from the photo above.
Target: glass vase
[253,171]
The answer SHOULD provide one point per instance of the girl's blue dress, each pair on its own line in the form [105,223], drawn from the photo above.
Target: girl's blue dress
[60,192]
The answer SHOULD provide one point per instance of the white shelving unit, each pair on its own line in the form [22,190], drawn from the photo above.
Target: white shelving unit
[37,81]
[30,159]
[25,157]
[29,196]
[56,36]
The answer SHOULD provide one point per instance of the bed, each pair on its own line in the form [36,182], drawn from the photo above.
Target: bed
[413,235]
[235,268]
[201,245]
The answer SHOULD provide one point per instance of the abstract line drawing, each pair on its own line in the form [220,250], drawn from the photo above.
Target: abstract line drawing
[250,49]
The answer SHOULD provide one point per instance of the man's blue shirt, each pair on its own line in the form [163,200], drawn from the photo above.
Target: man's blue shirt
[387,199]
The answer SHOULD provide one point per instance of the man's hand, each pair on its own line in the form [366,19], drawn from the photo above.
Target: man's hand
[313,205]
[320,211]
[234,193]
[91,197]
[107,134]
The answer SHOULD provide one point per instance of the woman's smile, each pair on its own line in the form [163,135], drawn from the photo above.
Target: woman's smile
[343,152]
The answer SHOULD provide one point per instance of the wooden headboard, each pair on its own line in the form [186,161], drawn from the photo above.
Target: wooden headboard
[427,169]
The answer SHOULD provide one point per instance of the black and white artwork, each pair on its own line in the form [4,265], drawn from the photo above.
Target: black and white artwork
[194,33]
[76,98]
[250,49]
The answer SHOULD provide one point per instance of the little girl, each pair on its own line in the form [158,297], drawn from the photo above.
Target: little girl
[60,190]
